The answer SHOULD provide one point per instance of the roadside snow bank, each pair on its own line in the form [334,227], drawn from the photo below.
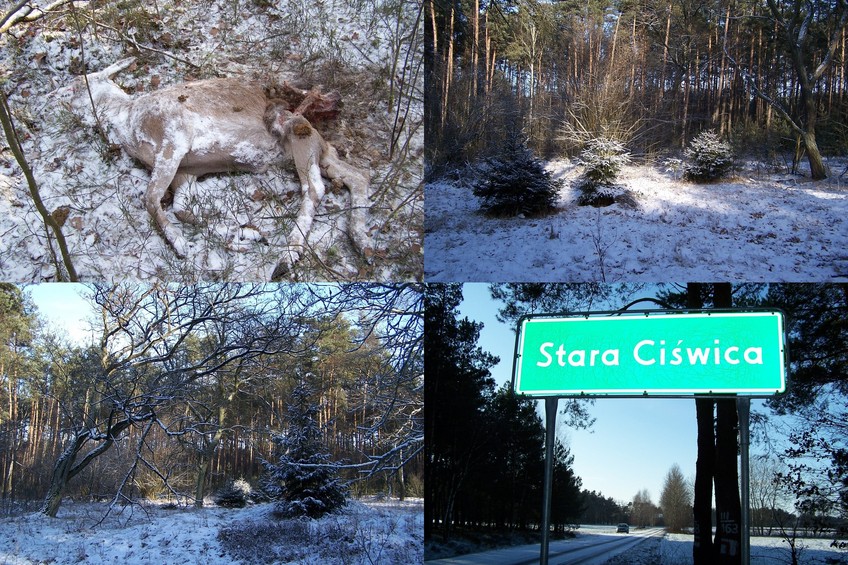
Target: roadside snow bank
[676,549]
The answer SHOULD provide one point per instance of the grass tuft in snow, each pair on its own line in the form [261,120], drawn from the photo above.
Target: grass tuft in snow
[358,534]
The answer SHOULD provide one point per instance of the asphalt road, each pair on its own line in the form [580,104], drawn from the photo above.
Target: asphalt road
[591,549]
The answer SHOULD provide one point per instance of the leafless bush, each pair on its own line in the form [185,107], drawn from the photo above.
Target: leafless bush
[601,110]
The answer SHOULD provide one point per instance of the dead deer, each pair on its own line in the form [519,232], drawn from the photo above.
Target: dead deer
[217,126]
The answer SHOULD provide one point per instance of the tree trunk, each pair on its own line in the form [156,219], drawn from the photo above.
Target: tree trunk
[200,481]
[61,475]
[728,507]
[702,549]
[401,479]
[818,170]
[64,469]
[206,456]
[475,55]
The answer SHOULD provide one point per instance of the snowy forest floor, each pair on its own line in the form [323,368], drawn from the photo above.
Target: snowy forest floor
[368,530]
[763,224]
[368,51]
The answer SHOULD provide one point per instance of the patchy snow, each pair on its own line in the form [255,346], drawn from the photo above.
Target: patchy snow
[763,225]
[366,531]
[96,191]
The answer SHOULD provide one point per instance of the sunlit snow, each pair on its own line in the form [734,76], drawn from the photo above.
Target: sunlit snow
[764,224]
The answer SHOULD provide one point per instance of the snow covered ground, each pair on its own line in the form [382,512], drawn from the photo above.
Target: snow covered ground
[366,531]
[96,190]
[676,549]
[669,549]
[763,225]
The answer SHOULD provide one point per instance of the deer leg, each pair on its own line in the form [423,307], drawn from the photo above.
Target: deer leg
[181,208]
[312,189]
[357,184]
[164,170]
[305,153]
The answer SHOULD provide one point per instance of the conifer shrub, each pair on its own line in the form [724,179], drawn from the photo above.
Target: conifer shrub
[709,158]
[303,480]
[603,159]
[516,183]
[234,495]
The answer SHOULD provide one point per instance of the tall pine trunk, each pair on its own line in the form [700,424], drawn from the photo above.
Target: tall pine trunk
[702,550]
[728,507]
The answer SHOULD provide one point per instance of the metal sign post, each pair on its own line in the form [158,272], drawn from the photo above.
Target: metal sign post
[550,429]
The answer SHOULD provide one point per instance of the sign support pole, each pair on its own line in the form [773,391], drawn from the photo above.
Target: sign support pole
[743,408]
[550,429]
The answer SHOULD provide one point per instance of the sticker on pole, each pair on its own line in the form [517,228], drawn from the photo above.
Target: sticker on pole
[657,352]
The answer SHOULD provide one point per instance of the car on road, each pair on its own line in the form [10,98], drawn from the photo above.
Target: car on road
[622,529]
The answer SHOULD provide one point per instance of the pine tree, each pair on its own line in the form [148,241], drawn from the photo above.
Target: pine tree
[303,479]
[516,182]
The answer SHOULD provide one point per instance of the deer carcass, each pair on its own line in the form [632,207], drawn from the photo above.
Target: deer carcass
[217,126]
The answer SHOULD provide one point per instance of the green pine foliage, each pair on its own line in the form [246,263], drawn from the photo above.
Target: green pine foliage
[709,158]
[603,159]
[516,183]
[490,442]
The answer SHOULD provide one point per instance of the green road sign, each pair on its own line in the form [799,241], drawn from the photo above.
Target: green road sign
[658,353]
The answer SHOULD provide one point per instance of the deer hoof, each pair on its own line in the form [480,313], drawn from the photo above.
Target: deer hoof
[281,271]
[186,217]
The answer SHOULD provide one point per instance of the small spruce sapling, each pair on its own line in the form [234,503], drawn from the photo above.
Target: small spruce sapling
[603,159]
[303,479]
[234,495]
[516,182]
[709,158]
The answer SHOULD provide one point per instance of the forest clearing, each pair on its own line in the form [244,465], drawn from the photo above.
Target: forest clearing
[370,531]
[142,423]
[636,141]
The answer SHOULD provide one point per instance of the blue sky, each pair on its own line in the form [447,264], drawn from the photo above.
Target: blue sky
[633,442]
[62,305]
